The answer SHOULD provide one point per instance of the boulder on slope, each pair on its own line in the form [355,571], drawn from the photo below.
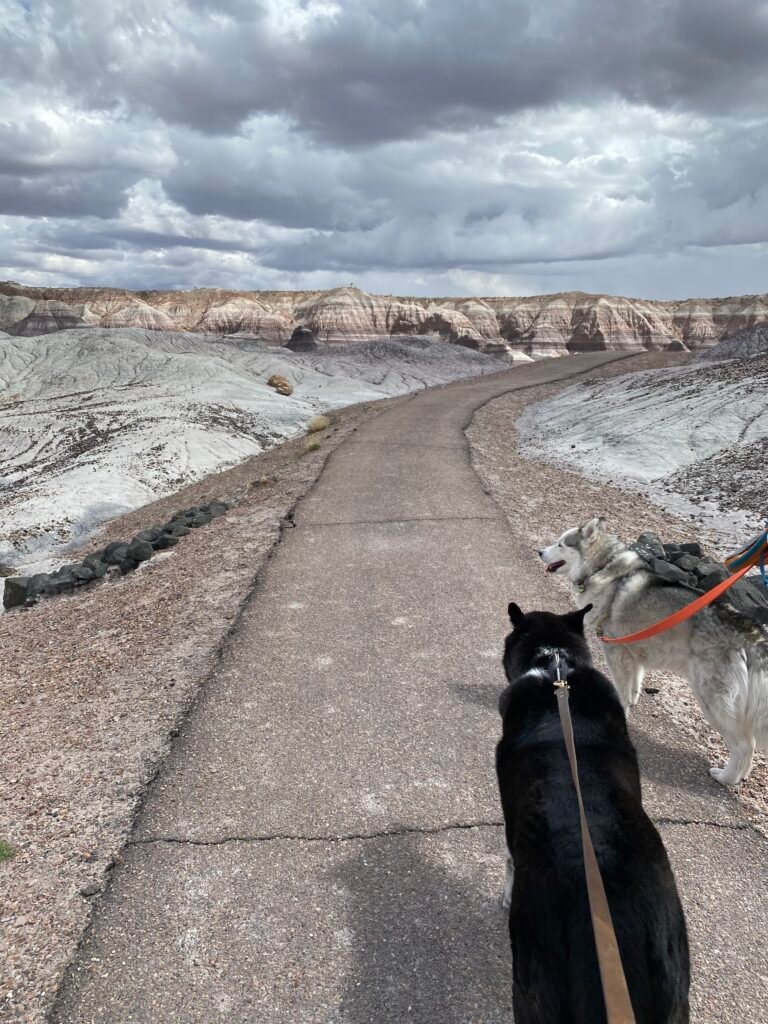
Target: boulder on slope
[281,384]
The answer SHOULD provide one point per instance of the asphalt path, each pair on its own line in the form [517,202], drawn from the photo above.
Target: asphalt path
[324,843]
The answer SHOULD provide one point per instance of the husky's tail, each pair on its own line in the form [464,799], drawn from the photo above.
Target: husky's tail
[750,629]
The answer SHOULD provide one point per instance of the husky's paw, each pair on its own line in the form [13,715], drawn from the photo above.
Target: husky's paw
[724,777]
[505,901]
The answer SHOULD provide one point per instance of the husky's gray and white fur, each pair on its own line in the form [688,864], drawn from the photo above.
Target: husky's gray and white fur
[722,653]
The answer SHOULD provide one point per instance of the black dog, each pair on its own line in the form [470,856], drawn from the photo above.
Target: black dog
[556,976]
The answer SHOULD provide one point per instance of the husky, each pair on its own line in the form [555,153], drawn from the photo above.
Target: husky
[556,974]
[722,653]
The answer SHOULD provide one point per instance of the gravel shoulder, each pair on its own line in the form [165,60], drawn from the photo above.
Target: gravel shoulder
[554,499]
[93,687]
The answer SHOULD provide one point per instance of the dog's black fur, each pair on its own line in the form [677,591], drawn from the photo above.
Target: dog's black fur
[556,976]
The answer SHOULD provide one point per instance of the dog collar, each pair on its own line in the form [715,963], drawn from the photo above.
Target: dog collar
[550,664]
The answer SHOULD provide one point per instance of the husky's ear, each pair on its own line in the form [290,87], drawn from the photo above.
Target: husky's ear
[576,619]
[593,527]
[516,614]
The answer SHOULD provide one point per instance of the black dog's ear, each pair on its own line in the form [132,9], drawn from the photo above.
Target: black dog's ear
[576,619]
[516,615]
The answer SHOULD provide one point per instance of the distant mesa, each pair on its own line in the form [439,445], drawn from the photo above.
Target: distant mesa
[302,340]
[533,326]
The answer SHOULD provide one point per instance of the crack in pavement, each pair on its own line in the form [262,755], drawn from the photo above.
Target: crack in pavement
[735,826]
[347,838]
[350,837]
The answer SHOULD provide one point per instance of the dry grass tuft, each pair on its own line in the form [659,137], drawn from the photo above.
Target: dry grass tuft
[318,423]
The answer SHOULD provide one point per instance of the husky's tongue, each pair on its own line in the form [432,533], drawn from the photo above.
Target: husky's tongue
[555,566]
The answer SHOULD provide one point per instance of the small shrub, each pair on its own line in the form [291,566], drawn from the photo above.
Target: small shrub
[318,423]
[6,851]
[311,446]
[262,481]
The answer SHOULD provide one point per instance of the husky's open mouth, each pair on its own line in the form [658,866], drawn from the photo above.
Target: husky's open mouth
[556,565]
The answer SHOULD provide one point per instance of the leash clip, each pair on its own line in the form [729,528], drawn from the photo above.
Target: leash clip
[559,683]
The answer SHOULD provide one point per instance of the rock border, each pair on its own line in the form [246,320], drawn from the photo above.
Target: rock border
[687,565]
[123,556]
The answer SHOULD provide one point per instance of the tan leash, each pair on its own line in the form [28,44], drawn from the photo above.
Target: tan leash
[618,1006]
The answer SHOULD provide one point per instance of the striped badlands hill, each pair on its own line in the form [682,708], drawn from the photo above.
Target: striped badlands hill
[538,325]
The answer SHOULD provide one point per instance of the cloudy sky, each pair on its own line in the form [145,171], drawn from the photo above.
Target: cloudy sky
[424,147]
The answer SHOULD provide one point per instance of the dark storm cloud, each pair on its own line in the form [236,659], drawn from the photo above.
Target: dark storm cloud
[100,194]
[412,144]
[367,70]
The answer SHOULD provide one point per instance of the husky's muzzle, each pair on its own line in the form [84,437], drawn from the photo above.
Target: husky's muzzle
[551,566]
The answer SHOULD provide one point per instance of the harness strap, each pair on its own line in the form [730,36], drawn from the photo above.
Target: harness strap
[618,1006]
[682,614]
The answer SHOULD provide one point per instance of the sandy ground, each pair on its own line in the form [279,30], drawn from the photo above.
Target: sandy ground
[555,499]
[93,688]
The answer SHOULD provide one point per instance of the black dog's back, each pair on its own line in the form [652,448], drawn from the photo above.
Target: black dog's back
[556,976]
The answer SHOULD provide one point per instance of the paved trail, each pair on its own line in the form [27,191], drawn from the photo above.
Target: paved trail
[324,842]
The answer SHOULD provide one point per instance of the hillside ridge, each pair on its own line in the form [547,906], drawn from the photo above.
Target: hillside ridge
[537,325]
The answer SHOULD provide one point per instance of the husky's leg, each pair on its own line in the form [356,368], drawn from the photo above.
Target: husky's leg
[757,674]
[637,684]
[721,691]
[739,763]
[627,674]
[506,896]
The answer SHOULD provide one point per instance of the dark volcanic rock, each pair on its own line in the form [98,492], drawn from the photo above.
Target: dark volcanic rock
[126,565]
[177,528]
[684,561]
[687,565]
[165,540]
[82,573]
[63,580]
[216,508]
[150,536]
[652,543]
[140,550]
[201,519]
[692,549]
[667,571]
[15,593]
[117,553]
[41,585]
